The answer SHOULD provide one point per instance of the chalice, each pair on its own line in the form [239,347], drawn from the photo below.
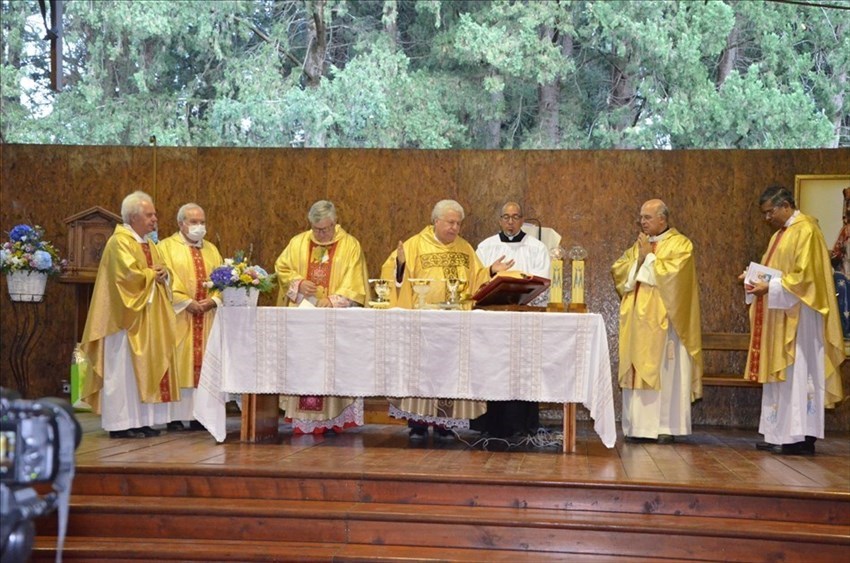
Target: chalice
[455,286]
[421,287]
[382,291]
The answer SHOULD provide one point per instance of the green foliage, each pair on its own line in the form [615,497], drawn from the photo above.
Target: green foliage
[431,74]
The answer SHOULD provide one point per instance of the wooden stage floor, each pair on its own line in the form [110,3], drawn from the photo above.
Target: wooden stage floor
[713,458]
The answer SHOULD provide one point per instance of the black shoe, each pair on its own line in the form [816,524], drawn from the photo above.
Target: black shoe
[638,440]
[797,448]
[441,432]
[765,446]
[195,426]
[129,433]
[175,426]
[418,433]
[147,431]
[665,439]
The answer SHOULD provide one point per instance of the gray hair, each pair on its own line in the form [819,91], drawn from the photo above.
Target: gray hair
[322,209]
[181,213]
[664,211]
[446,205]
[132,205]
[777,195]
[515,204]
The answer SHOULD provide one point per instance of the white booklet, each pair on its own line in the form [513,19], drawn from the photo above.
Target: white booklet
[759,273]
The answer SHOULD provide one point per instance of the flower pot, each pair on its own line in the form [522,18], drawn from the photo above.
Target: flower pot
[239,297]
[26,286]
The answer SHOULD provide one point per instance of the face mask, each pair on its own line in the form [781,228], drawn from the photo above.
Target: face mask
[196,232]
[153,236]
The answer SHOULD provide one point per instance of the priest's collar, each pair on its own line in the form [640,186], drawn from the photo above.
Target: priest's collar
[515,238]
[792,218]
[134,233]
[662,236]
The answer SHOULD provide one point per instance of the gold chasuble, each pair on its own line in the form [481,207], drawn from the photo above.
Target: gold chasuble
[190,267]
[646,312]
[800,253]
[127,297]
[337,268]
[340,267]
[427,257]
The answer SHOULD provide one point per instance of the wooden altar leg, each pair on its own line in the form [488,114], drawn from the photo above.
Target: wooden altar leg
[259,418]
[569,428]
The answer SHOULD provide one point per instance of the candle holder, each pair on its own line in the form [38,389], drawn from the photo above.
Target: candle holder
[577,304]
[556,285]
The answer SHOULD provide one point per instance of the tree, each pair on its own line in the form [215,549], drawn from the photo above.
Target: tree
[432,74]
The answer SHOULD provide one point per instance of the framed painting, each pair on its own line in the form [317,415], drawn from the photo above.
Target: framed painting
[822,196]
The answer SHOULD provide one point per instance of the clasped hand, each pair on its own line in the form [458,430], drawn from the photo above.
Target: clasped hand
[160,273]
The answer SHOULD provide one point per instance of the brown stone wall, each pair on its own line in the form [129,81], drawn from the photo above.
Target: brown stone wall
[258,199]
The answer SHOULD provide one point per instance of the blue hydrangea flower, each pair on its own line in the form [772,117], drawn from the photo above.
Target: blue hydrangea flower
[22,233]
[42,260]
[221,276]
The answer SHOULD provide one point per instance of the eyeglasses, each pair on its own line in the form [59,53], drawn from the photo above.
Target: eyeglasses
[322,230]
[511,217]
[769,212]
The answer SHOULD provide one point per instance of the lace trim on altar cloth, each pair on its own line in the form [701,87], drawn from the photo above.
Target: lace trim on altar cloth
[458,423]
[350,417]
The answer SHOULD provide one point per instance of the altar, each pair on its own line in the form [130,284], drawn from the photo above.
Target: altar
[479,355]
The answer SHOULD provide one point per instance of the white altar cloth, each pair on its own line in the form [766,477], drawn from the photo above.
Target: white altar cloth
[483,355]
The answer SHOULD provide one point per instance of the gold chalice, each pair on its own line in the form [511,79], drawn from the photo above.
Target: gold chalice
[382,291]
[455,287]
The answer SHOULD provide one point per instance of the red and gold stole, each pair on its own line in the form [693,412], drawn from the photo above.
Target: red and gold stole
[198,320]
[164,386]
[319,271]
[758,318]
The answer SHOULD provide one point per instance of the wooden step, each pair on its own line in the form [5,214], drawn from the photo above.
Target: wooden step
[793,506]
[128,549]
[472,527]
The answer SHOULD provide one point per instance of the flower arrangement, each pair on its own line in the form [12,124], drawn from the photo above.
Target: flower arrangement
[26,251]
[236,272]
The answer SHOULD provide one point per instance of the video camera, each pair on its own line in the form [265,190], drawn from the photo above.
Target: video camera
[37,443]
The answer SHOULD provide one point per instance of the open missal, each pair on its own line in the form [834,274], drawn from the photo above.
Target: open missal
[510,288]
[759,273]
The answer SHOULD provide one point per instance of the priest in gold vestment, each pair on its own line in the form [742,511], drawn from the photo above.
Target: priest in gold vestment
[191,260]
[128,340]
[796,345]
[660,369]
[322,267]
[436,253]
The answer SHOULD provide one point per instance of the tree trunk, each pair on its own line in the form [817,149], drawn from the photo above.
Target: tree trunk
[493,126]
[314,64]
[390,21]
[729,56]
[621,101]
[549,95]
